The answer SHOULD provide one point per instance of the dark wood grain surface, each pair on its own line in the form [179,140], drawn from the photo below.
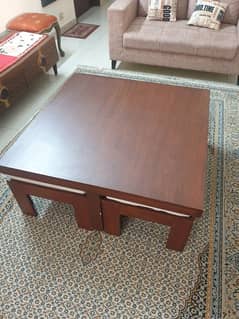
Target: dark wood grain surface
[117,136]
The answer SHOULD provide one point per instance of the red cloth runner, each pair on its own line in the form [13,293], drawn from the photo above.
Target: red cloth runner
[16,45]
[6,61]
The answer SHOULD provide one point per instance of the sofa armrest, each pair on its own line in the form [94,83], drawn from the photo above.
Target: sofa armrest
[120,14]
[238,30]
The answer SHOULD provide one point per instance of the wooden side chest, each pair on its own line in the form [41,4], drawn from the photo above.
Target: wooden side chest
[17,79]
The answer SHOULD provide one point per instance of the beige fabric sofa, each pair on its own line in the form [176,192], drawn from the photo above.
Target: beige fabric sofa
[133,38]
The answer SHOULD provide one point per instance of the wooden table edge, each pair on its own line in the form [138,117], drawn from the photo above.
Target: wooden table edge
[99,191]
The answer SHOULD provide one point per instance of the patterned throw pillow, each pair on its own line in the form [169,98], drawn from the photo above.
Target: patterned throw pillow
[208,14]
[163,10]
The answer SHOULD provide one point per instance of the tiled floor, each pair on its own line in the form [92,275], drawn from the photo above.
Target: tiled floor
[92,51]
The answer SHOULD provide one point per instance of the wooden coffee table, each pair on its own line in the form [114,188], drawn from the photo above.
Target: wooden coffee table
[114,147]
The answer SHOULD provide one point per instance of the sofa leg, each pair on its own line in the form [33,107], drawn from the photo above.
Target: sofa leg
[113,64]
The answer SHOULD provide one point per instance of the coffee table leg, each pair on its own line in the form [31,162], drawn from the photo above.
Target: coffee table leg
[22,198]
[179,233]
[111,214]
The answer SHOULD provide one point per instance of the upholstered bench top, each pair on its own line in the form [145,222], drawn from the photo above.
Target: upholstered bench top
[32,22]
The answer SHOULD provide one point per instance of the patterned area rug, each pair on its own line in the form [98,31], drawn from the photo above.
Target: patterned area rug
[52,269]
[80,30]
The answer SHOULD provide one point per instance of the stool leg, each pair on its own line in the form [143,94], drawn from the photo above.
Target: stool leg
[111,217]
[23,198]
[55,69]
[58,37]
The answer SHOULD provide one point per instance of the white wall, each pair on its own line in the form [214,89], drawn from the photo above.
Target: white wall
[11,8]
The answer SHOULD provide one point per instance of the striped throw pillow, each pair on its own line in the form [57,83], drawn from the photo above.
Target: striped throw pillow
[163,10]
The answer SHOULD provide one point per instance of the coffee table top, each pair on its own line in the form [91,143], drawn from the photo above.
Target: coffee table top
[124,138]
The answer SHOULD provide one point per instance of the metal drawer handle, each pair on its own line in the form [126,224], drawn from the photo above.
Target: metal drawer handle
[42,61]
[4,95]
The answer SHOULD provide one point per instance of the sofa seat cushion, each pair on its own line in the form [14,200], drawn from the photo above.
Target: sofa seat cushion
[178,37]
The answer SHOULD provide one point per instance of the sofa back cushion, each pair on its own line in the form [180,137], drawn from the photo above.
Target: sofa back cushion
[182,6]
[231,15]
